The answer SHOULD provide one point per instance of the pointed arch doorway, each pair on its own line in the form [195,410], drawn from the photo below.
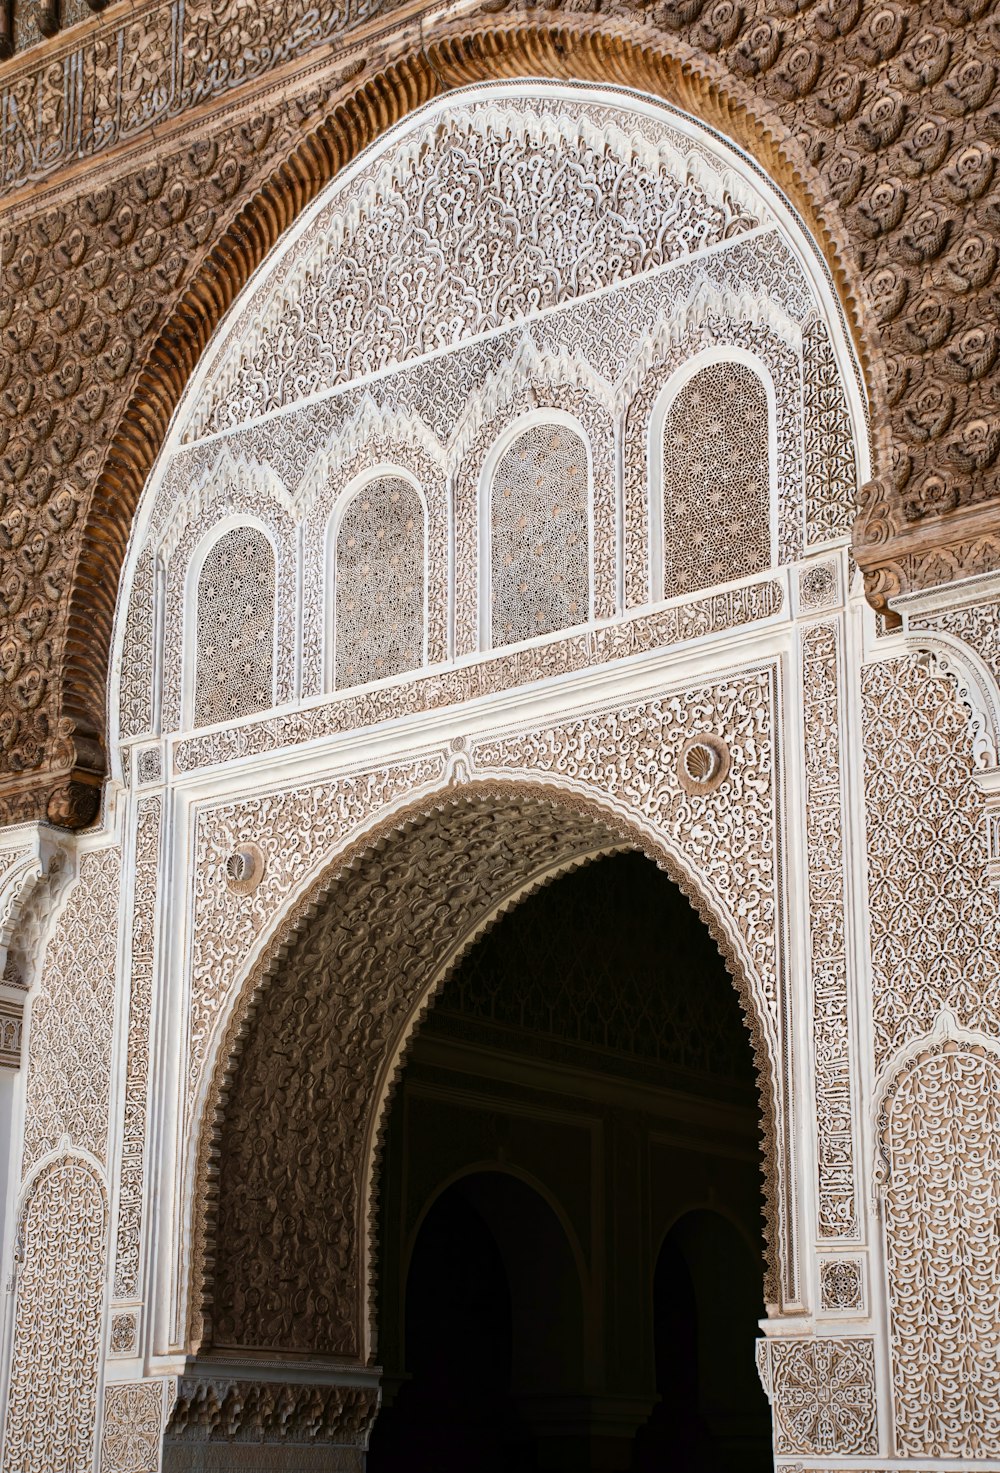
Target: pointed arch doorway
[570,1199]
[289,1254]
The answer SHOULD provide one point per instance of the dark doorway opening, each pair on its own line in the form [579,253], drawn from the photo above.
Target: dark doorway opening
[570,1272]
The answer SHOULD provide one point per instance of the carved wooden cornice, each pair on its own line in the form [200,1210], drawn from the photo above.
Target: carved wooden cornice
[121,258]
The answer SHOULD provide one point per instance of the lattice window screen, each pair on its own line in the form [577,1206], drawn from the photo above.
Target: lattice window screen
[540,538]
[235,657]
[379,581]
[716,484]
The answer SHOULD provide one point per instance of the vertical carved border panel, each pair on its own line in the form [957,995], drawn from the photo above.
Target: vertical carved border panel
[130,1189]
[72,1020]
[52,1398]
[837,1191]
[940,1141]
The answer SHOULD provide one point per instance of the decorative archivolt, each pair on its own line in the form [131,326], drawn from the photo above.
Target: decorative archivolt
[469,189]
[560,402]
[380,455]
[228,479]
[372,422]
[529,368]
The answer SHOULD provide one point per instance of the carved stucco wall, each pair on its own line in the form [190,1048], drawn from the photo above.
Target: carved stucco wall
[72,1020]
[940,1139]
[361,1009]
[874,117]
[708,282]
[51,1413]
[935,947]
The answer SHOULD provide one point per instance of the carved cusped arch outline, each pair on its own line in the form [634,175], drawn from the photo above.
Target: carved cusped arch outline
[560,828]
[60,1252]
[389,443]
[560,394]
[455,54]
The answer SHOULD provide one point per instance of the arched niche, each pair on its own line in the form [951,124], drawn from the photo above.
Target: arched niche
[535,528]
[377,579]
[712,473]
[938,1172]
[231,633]
[318,1036]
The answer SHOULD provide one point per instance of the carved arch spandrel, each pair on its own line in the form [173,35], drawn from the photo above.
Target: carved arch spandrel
[461,53]
[553,831]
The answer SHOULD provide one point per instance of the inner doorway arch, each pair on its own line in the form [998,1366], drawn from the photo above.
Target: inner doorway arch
[291,1141]
[582,1078]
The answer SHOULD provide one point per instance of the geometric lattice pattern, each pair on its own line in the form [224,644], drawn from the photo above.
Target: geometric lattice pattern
[823,1394]
[942,1142]
[379,581]
[540,542]
[716,480]
[235,652]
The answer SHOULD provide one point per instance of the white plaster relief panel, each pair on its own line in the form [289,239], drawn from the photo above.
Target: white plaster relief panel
[822,1392]
[234,661]
[540,535]
[450,358]
[52,1397]
[405,452]
[700,618]
[716,479]
[230,497]
[132,1426]
[940,1144]
[826,818]
[630,756]
[935,919]
[72,1019]
[131,1180]
[378,583]
[294,832]
[500,180]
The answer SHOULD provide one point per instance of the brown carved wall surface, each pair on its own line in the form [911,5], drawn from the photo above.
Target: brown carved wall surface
[878,119]
[935,917]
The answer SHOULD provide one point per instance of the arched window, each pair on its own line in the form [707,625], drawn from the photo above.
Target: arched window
[379,583]
[235,630]
[716,480]
[540,544]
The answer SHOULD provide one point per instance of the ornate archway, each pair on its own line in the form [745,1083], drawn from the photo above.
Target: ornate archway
[291,1129]
[572,49]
